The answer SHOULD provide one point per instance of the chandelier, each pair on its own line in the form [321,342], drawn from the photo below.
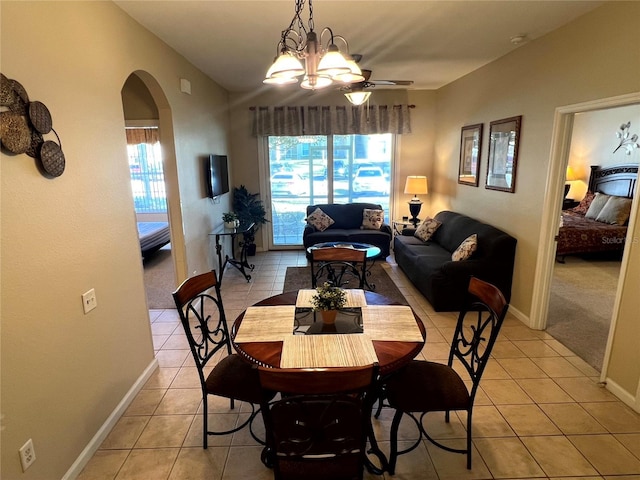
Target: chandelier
[324,63]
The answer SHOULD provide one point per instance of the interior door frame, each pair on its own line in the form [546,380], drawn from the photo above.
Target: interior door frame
[554,192]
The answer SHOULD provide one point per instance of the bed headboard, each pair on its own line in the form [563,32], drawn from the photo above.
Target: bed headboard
[617,180]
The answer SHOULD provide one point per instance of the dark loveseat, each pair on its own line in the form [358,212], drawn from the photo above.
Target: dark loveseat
[348,220]
[443,281]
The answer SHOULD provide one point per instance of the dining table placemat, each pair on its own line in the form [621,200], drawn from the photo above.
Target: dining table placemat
[317,351]
[266,324]
[391,323]
[355,298]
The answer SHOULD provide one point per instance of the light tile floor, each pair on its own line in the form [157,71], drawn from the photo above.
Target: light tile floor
[540,413]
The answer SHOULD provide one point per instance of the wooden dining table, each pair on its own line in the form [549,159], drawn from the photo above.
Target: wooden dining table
[266,334]
[372,329]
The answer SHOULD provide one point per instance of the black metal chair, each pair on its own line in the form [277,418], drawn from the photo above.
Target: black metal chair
[423,387]
[318,430]
[202,316]
[332,264]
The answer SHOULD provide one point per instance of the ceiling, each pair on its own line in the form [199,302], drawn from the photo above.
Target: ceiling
[430,42]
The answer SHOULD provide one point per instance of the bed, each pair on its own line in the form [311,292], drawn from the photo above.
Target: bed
[579,234]
[153,236]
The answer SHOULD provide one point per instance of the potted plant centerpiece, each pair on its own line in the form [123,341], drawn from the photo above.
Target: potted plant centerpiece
[328,300]
[230,220]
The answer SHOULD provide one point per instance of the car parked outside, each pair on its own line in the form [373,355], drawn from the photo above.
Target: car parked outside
[370,179]
[288,183]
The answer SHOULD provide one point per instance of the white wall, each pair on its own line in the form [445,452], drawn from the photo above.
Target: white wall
[593,141]
[64,372]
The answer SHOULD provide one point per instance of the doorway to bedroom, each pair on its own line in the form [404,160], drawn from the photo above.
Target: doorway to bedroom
[148,186]
[584,285]
[585,135]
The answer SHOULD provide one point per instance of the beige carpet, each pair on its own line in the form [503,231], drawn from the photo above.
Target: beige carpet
[159,279]
[300,277]
[581,304]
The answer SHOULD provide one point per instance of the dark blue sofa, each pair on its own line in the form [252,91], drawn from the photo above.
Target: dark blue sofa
[348,219]
[445,282]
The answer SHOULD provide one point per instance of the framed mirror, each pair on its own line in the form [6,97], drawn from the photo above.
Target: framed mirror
[504,136]
[470,148]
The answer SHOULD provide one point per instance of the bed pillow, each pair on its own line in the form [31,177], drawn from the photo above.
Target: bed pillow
[597,204]
[372,219]
[616,211]
[320,220]
[584,204]
[426,229]
[466,248]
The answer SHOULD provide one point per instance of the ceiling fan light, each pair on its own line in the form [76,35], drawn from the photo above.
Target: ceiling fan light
[357,98]
[333,63]
[286,65]
[315,82]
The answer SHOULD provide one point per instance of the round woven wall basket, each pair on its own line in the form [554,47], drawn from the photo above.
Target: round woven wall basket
[15,132]
[40,117]
[52,158]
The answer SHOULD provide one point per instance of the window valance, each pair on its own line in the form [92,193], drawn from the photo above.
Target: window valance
[142,135]
[331,120]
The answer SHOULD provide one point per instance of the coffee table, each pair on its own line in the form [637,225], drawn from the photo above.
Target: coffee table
[335,275]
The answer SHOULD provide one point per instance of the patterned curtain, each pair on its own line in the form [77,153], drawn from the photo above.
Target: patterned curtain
[331,120]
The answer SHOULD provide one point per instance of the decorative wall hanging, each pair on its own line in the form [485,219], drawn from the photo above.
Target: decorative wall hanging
[504,136]
[23,125]
[470,148]
[630,144]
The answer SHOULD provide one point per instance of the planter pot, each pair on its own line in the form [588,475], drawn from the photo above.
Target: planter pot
[329,316]
[232,224]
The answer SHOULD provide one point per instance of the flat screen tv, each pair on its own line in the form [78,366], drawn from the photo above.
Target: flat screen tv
[216,175]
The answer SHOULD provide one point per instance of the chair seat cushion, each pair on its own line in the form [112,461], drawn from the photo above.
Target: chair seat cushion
[427,387]
[234,378]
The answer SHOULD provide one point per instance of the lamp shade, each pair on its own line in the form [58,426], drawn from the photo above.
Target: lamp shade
[571,175]
[416,184]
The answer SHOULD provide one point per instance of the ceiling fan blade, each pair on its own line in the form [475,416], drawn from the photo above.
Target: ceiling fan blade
[391,82]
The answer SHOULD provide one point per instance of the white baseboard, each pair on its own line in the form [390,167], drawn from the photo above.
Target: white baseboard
[109,423]
[519,315]
[622,394]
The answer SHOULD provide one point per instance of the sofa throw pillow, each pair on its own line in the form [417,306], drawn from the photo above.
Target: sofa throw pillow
[584,204]
[466,248]
[426,229]
[597,204]
[320,220]
[372,219]
[616,211]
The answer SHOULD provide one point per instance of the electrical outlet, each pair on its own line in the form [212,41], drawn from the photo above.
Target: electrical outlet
[89,301]
[27,455]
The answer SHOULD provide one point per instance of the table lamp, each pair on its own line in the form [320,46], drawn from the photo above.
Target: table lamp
[570,177]
[415,184]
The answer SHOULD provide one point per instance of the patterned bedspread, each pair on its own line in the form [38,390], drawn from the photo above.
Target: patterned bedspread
[578,234]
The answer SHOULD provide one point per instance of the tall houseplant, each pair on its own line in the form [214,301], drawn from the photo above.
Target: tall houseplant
[249,209]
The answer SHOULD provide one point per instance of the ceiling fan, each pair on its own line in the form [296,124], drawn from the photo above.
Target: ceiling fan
[357,92]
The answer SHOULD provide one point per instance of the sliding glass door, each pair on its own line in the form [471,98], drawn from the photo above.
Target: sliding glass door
[314,169]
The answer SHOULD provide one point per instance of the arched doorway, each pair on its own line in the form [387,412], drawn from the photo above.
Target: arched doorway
[146,106]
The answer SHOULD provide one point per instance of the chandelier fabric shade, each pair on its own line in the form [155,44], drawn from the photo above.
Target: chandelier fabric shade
[330,120]
[324,63]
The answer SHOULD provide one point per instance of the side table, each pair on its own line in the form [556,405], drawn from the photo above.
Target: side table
[400,225]
[240,263]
